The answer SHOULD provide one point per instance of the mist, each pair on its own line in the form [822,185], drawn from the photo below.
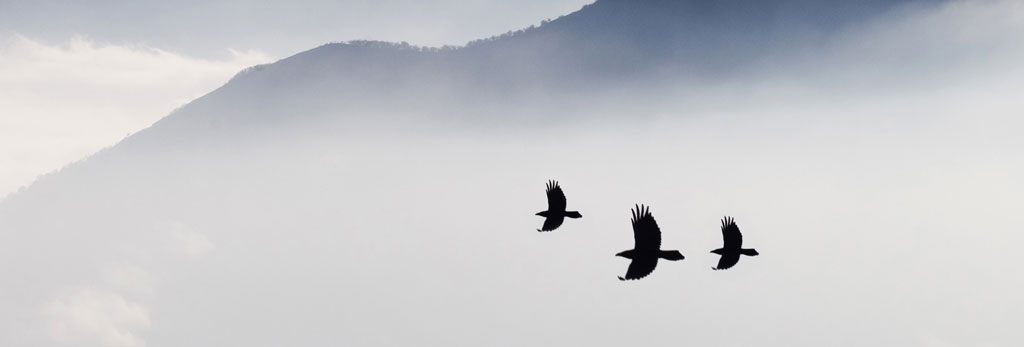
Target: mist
[881,195]
[64,102]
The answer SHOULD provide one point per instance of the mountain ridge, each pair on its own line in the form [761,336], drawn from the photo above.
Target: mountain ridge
[608,45]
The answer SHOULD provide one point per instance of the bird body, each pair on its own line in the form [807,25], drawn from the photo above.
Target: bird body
[647,246]
[570,214]
[669,255]
[733,245]
[556,213]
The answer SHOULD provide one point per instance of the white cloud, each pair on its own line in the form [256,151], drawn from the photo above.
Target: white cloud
[60,103]
[190,242]
[130,278]
[92,317]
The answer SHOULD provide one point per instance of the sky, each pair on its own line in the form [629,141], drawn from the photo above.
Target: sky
[66,66]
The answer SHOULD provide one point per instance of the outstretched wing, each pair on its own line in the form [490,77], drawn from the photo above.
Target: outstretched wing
[728,260]
[551,223]
[645,230]
[731,234]
[640,268]
[556,198]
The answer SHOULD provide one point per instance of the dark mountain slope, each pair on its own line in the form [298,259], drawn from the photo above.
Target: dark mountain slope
[606,47]
[621,39]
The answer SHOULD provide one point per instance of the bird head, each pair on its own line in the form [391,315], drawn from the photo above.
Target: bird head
[717,251]
[625,254]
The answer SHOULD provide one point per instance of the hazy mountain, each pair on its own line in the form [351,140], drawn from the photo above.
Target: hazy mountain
[610,45]
[607,48]
[379,194]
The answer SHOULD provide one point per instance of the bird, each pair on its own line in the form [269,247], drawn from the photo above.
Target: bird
[556,212]
[733,245]
[647,249]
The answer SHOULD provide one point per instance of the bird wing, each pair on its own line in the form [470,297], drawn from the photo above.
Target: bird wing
[645,230]
[556,198]
[728,260]
[640,268]
[731,234]
[551,223]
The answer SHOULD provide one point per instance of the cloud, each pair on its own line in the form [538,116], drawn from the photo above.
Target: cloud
[187,241]
[59,103]
[93,317]
[130,278]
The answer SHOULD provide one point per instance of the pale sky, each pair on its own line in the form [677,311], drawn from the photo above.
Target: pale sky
[76,77]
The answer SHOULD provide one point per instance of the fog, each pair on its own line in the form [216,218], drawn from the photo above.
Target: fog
[62,102]
[884,204]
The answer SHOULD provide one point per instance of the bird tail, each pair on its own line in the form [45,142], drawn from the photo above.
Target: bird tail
[671,255]
[573,214]
[748,251]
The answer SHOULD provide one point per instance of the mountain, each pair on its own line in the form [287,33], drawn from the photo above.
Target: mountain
[609,46]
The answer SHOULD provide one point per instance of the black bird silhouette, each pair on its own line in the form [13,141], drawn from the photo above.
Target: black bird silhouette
[556,212]
[647,250]
[733,246]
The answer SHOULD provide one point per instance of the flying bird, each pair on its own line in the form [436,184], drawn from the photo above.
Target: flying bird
[647,249]
[556,212]
[733,246]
